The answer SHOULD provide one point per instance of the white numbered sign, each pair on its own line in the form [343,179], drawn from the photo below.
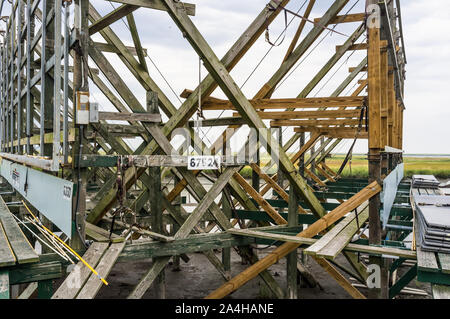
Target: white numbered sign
[204,162]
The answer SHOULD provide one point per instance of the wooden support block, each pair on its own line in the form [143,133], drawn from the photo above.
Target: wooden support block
[444,261]
[440,292]
[4,284]
[101,235]
[426,260]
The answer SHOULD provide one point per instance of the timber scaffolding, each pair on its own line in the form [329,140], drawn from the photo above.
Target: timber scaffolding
[55,142]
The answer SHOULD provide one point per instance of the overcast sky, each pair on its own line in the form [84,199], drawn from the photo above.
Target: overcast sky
[425,22]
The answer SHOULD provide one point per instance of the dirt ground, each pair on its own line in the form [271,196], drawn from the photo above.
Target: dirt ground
[198,278]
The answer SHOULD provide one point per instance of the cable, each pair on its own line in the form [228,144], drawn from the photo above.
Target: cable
[41,240]
[315,47]
[261,60]
[66,246]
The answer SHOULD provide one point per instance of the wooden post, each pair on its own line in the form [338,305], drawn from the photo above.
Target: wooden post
[177,207]
[291,259]
[80,83]
[226,251]
[155,201]
[301,163]
[375,133]
[280,175]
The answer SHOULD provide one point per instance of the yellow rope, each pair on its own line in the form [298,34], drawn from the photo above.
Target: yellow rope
[67,246]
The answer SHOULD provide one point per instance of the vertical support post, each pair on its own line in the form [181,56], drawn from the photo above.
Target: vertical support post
[2,112]
[66,83]
[301,161]
[313,163]
[375,135]
[155,201]
[30,73]
[226,251]
[291,262]
[176,227]
[80,83]
[12,37]
[19,75]
[45,289]
[43,77]
[280,174]
[57,85]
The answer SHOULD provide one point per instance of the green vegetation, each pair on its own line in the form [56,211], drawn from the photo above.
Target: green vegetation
[439,167]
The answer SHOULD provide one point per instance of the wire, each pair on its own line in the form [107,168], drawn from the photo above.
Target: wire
[315,47]
[66,246]
[41,240]
[261,60]
[270,48]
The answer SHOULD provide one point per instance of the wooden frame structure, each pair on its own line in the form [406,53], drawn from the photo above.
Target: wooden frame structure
[43,126]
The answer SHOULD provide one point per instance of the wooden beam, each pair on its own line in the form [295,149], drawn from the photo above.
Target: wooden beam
[158,5]
[231,58]
[105,47]
[319,114]
[352,17]
[278,123]
[298,52]
[260,200]
[130,117]
[111,17]
[289,103]
[286,248]
[235,95]
[303,241]
[300,29]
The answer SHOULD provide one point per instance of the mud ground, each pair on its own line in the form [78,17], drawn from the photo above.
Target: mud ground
[198,278]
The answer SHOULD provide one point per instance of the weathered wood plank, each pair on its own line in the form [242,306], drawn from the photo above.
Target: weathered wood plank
[80,274]
[334,241]
[31,288]
[93,284]
[189,8]
[444,261]
[101,234]
[19,243]
[440,291]
[310,241]
[130,117]
[320,225]
[7,257]
[342,281]
[291,103]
